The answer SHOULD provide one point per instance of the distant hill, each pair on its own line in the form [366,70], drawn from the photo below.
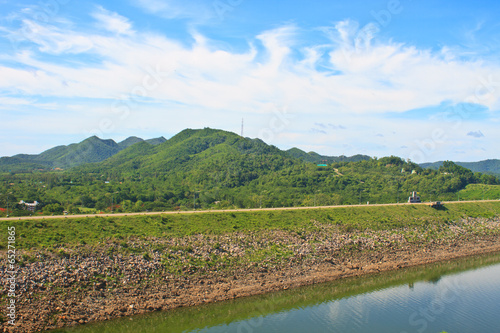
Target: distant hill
[129,142]
[90,150]
[317,158]
[210,168]
[491,167]
[134,152]
[94,149]
[207,156]
[156,141]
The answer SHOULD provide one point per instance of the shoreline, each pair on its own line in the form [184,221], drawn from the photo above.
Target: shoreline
[282,281]
[88,284]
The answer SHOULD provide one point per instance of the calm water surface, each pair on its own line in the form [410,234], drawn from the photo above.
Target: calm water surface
[458,296]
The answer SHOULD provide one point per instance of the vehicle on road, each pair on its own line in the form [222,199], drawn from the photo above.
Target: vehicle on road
[436,204]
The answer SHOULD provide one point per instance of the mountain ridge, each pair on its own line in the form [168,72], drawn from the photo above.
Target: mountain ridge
[91,150]
[95,149]
[489,166]
[314,157]
[209,168]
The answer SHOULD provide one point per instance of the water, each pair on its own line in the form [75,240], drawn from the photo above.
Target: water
[457,296]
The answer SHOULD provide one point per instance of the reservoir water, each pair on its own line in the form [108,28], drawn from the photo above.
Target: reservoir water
[457,297]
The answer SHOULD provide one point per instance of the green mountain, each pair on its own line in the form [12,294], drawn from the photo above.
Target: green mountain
[214,169]
[203,158]
[90,150]
[322,159]
[129,142]
[156,141]
[491,167]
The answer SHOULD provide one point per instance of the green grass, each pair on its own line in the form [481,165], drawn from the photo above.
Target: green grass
[480,192]
[47,233]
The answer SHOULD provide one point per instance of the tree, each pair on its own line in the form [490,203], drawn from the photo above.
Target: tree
[53,208]
[87,201]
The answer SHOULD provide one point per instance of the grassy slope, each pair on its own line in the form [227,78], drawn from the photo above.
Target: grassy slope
[70,232]
[480,191]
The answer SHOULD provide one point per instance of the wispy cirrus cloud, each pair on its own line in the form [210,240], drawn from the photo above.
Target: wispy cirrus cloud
[341,80]
[112,21]
[196,11]
[376,78]
[48,39]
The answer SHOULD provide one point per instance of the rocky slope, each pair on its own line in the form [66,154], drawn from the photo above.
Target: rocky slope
[70,286]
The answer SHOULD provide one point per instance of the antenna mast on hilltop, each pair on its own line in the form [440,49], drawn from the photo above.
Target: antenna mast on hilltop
[241,126]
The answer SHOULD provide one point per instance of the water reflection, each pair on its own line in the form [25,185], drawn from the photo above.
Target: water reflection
[459,294]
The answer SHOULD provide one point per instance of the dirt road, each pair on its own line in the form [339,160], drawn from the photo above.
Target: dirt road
[13,218]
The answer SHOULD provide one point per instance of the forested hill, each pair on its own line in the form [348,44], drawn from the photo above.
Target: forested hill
[214,169]
[90,150]
[491,167]
[314,157]
[197,158]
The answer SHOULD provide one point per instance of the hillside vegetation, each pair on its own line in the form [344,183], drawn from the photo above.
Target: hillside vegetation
[482,191]
[218,170]
[314,157]
[491,167]
[90,150]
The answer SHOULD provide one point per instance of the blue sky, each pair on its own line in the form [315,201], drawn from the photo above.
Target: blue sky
[416,79]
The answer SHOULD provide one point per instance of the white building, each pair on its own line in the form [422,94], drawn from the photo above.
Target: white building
[29,206]
[414,198]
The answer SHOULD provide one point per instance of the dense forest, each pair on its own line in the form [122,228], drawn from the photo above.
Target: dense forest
[214,169]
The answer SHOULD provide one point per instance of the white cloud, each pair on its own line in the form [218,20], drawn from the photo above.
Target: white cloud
[112,21]
[9,102]
[398,77]
[375,78]
[152,74]
[51,39]
[197,11]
